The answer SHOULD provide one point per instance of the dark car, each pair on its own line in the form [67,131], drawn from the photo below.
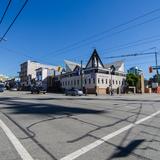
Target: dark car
[74,92]
[2,87]
[38,89]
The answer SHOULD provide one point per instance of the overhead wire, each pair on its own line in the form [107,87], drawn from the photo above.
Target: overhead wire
[7,7]
[129,44]
[24,4]
[113,28]
[71,47]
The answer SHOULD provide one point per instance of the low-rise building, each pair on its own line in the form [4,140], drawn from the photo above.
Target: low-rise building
[28,71]
[95,77]
[135,70]
[3,78]
[43,73]
[140,88]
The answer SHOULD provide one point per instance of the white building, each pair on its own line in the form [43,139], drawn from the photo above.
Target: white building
[3,78]
[135,70]
[28,71]
[96,77]
[43,73]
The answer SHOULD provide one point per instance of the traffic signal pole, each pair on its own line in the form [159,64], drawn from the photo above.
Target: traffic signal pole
[156,63]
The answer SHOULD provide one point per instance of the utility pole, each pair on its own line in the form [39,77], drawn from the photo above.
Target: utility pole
[140,54]
[81,74]
[111,83]
[156,62]
[112,71]
[156,65]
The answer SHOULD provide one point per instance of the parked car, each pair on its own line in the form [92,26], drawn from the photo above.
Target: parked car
[74,92]
[2,87]
[38,89]
[14,89]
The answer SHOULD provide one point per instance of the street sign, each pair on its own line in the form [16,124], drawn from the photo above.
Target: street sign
[154,67]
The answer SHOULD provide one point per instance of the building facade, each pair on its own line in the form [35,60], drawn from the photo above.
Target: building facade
[28,71]
[95,77]
[135,70]
[42,74]
[3,78]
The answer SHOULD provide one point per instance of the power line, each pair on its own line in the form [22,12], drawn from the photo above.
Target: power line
[107,36]
[130,55]
[130,43]
[139,63]
[5,11]
[14,20]
[138,44]
[132,20]
[16,52]
[70,47]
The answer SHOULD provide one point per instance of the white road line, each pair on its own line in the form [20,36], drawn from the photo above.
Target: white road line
[89,147]
[16,143]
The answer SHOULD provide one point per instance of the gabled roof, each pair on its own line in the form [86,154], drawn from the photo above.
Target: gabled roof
[70,66]
[77,68]
[95,61]
[119,65]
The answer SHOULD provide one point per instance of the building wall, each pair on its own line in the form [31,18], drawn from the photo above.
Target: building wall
[71,82]
[104,80]
[95,82]
[29,68]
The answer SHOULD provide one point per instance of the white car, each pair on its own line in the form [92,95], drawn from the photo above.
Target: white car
[14,89]
[74,92]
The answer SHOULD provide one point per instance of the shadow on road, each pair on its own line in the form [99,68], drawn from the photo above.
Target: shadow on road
[127,150]
[18,107]
[14,106]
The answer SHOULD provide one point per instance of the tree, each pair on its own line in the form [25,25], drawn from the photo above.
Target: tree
[132,79]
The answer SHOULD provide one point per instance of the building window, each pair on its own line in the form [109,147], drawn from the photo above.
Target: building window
[78,82]
[74,82]
[98,80]
[106,81]
[71,82]
[85,81]
[116,82]
[89,81]
[119,82]
[113,81]
[93,80]
[68,82]
[102,81]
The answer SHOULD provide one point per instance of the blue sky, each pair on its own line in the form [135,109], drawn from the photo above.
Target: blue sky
[44,27]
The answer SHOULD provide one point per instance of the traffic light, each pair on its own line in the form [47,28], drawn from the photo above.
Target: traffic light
[59,68]
[150,69]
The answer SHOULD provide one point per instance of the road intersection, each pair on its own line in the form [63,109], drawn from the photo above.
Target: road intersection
[54,126]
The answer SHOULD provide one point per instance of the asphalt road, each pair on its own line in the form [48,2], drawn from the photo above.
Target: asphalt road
[58,127]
